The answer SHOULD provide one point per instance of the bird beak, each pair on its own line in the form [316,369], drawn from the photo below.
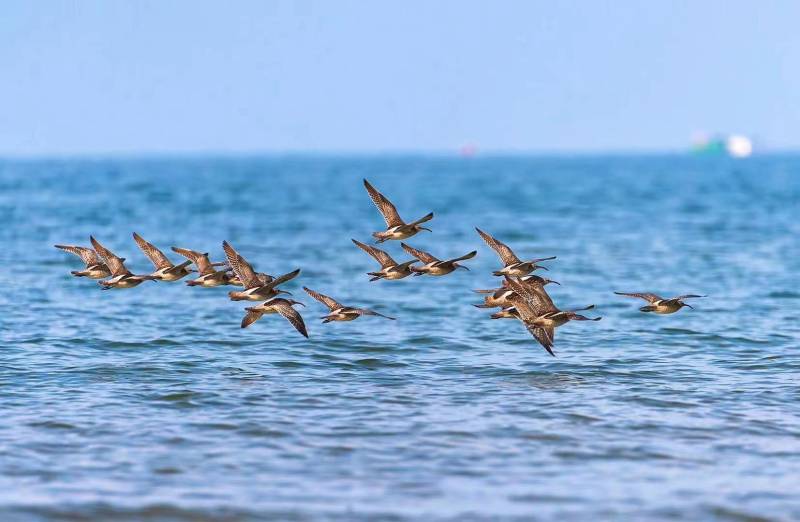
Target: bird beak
[296,302]
[462,266]
[544,268]
[284,292]
[690,306]
[554,282]
[428,229]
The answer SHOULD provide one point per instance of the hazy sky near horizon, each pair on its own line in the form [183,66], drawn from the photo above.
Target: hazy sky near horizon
[110,76]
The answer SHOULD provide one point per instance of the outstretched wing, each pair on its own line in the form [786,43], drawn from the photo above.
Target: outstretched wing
[201,261]
[250,318]
[385,207]
[465,256]
[241,267]
[507,256]
[282,279]
[379,255]
[419,254]
[87,255]
[331,303]
[687,296]
[650,298]
[114,263]
[293,316]
[155,255]
[534,294]
[366,311]
[545,336]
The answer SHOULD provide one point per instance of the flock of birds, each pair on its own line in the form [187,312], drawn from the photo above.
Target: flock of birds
[522,295]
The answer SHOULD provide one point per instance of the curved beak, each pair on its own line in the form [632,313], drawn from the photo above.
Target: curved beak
[285,292]
[554,282]
[462,266]
[690,306]
[428,229]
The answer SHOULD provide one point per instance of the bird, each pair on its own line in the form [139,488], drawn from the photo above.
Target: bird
[660,305]
[512,264]
[95,267]
[500,296]
[396,228]
[340,312]
[433,266]
[277,305]
[209,277]
[121,277]
[390,269]
[536,310]
[254,287]
[165,269]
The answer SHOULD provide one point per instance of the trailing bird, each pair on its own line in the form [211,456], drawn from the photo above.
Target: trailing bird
[512,264]
[254,287]
[165,269]
[340,312]
[95,268]
[433,266]
[396,228]
[540,316]
[121,277]
[659,305]
[390,269]
[277,305]
[500,296]
[209,277]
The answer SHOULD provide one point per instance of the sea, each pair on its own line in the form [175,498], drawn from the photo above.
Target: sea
[153,404]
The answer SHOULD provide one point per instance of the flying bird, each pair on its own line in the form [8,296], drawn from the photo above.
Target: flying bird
[121,277]
[536,310]
[277,305]
[500,297]
[390,269]
[209,277]
[165,269]
[254,287]
[512,264]
[396,228]
[659,305]
[95,268]
[432,265]
[340,312]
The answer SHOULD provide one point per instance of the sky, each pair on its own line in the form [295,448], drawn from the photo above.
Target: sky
[121,77]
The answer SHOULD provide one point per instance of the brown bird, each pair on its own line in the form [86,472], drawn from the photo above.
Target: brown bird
[277,305]
[512,264]
[121,277]
[95,268]
[390,269]
[165,269]
[254,287]
[659,305]
[340,312]
[500,296]
[537,312]
[433,266]
[208,276]
[396,228]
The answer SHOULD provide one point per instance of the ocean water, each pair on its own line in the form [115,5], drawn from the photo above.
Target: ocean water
[152,403]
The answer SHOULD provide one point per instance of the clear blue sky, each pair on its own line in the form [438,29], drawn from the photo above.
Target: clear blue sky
[95,77]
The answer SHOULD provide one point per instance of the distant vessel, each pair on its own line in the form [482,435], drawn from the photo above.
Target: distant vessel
[734,145]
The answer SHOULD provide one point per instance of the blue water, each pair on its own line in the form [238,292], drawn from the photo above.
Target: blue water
[152,403]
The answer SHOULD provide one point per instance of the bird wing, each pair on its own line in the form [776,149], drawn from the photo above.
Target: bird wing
[204,266]
[87,255]
[114,263]
[379,255]
[251,317]
[465,256]
[281,279]
[155,255]
[687,296]
[507,255]
[419,254]
[534,294]
[293,316]
[650,298]
[385,207]
[545,336]
[241,267]
[331,303]
[366,311]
